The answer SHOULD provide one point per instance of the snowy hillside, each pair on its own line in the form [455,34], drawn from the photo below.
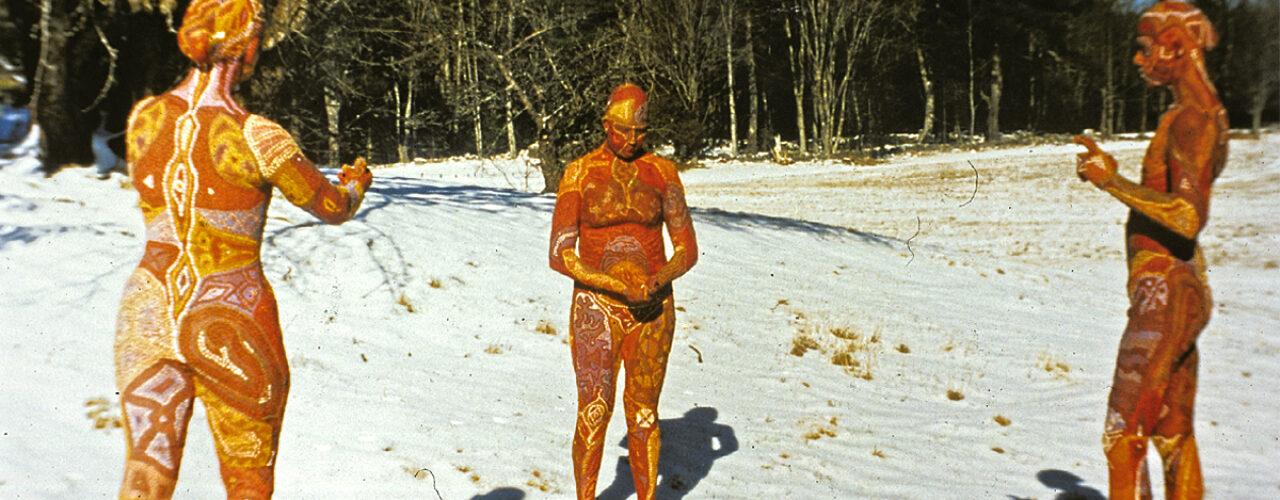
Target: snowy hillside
[935,326]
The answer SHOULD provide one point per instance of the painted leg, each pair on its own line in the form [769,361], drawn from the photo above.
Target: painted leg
[1131,413]
[1175,437]
[646,368]
[593,346]
[1127,468]
[156,407]
[246,446]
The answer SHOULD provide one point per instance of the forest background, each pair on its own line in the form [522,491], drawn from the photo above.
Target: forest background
[395,80]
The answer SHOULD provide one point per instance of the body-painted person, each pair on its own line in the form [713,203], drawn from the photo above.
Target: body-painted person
[1153,392]
[606,234]
[198,319]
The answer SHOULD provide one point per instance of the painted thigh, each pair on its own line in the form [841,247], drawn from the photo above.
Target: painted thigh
[156,406]
[231,339]
[1167,312]
[646,349]
[594,336]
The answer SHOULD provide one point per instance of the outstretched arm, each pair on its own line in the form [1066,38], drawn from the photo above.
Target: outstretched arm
[284,166]
[564,240]
[1183,209]
[684,245]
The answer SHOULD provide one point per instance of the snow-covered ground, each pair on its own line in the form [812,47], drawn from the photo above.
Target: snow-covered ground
[942,325]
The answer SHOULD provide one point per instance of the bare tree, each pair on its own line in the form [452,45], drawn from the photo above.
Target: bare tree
[677,54]
[835,32]
[728,57]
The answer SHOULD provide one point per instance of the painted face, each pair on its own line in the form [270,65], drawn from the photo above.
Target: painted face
[1168,33]
[626,141]
[1159,58]
[626,121]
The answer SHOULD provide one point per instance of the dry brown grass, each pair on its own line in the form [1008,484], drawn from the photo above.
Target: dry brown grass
[544,326]
[849,347]
[403,301]
[102,413]
[1050,363]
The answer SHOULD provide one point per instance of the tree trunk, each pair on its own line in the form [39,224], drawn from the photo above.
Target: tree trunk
[993,104]
[473,77]
[1106,125]
[797,84]
[65,130]
[1257,104]
[332,110]
[511,116]
[753,132]
[927,127]
[402,150]
[549,161]
[733,105]
[973,106]
[333,103]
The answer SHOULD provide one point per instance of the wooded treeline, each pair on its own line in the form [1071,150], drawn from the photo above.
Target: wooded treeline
[396,79]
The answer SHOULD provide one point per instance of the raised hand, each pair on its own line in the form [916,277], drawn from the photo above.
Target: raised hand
[358,172]
[1094,165]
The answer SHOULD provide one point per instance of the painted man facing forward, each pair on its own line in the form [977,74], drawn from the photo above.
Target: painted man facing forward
[1153,392]
[606,234]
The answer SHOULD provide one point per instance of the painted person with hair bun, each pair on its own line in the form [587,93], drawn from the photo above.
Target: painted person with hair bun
[198,318]
[606,234]
[1153,391]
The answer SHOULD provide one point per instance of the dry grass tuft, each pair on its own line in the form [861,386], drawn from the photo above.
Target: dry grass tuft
[542,484]
[494,349]
[435,283]
[1050,364]
[404,301]
[849,347]
[802,344]
[544,326]
[102,415]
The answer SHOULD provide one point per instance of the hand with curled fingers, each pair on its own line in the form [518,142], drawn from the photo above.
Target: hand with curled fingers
[358,172]
[1094,165]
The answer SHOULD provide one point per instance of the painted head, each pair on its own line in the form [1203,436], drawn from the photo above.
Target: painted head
[222,31]
[626,121]
[1172,34]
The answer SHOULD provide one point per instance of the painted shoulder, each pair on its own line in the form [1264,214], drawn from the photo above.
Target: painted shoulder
[665,167]
[270,143]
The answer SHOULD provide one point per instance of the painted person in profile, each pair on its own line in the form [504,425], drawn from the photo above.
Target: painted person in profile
[1153,391]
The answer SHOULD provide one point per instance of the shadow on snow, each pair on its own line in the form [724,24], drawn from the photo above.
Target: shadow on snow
[395,190]
[689,445]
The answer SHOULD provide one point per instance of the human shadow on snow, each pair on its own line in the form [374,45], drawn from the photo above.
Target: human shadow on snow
[1069,486]
[689,445]
[387,191]
[504,493]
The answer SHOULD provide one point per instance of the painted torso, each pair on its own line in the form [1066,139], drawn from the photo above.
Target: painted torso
[621,213]
[1168,167]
